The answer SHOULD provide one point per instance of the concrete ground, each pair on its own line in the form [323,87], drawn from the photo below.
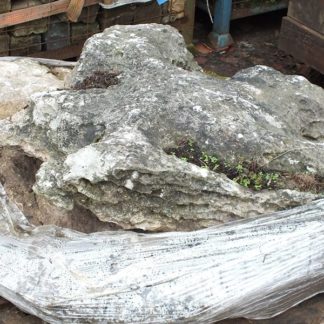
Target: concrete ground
[255,42]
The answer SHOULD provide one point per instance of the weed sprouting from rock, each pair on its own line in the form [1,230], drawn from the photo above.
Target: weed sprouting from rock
[246,173]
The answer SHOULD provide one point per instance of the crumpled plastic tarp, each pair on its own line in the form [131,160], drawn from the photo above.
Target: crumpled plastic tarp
[254,268]
[118,3]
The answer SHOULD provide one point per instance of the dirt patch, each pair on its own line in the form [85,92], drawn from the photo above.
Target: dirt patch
[9,314]
[256,41]
[17,174]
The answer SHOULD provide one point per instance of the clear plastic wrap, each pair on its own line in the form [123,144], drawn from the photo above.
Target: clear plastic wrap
[118,3]
[255,268]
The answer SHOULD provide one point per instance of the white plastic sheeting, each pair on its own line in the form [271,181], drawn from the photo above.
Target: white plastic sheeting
[255,268]
[118,3]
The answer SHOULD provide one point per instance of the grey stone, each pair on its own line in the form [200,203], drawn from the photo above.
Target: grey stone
[38,26]
[104,148]
[58,34]
[25,45]
[89,14]
[4,43]
[80,31]
[148,49]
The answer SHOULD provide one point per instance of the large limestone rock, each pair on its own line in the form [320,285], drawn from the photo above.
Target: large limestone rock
[103,147]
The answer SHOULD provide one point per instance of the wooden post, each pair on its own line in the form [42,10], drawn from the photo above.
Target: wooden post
[220,37]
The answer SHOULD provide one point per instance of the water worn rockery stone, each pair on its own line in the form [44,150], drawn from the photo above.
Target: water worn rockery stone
[103,148]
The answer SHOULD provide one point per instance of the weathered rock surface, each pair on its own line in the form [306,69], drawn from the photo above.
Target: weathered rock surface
[21,78]
[103,149]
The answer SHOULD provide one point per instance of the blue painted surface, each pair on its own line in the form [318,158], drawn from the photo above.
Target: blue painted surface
[220,36]
[222,16]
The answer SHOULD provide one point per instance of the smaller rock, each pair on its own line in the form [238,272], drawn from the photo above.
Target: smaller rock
[15,92]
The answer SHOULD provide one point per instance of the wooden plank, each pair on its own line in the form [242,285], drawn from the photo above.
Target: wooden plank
[238,12]
[74,10]
[303,43]
[309,13]
[61,53]
[36,12]
[186,25]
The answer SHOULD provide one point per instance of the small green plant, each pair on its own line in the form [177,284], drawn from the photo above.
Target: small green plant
[257,179]
[239,168]
[247,174]
[209,161]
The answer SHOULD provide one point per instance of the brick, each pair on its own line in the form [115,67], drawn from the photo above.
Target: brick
[24,45]
[117,16]
[80,31]
[58,34]
[4,43]
[89,14]
[38,26]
